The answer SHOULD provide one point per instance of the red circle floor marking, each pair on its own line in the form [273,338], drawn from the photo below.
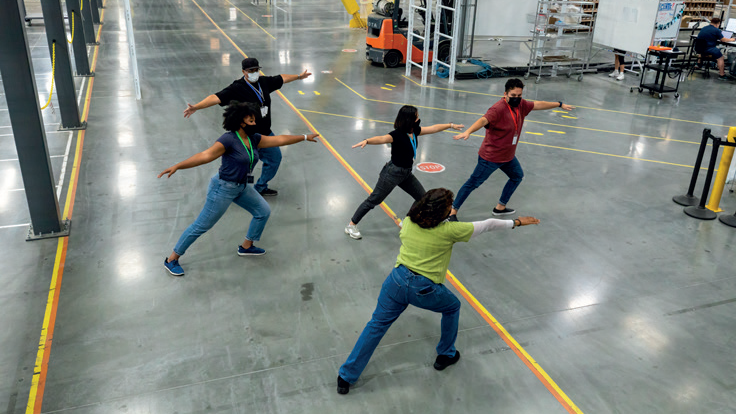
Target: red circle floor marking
[430,167]
[350,50]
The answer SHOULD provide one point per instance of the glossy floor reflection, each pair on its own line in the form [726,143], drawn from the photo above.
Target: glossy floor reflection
[626,303]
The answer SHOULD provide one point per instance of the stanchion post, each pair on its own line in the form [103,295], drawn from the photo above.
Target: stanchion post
[725,164]
[699,211]
[79,45]
[688,199]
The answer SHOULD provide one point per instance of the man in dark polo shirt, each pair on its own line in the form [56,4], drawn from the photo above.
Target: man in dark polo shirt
[709,37]
[503,123]
[253,87]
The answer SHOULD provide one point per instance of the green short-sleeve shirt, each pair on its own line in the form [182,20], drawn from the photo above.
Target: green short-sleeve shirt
[427,251]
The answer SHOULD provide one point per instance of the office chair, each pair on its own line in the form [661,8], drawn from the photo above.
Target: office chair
[697,52]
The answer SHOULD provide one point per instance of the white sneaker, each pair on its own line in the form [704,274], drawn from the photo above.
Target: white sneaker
[613,74]
[620,76]
[352,231]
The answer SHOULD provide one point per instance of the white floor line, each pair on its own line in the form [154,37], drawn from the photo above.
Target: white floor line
[68,147]
[15,159]
[15,225]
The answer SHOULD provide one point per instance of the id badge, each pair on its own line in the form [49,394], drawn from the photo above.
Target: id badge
[516,138]
[249,179]
[264,111]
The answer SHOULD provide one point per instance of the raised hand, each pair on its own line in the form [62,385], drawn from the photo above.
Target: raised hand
[189,111]
[312,137]
[525,221]
[464,135]
[170,171]
[361,144]
[567,107]
[458,127]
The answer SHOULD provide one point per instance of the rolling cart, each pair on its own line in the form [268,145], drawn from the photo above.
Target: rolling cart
[659,61]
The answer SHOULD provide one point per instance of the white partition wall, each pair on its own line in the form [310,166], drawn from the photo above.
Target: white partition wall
[505,18]
[626,24]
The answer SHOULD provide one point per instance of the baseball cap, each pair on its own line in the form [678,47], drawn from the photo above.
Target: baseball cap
[250,63]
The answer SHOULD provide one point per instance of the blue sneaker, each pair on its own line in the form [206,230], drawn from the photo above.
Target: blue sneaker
[251,251]
[173,267]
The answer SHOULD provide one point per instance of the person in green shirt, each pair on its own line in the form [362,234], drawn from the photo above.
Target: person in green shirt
[427,238]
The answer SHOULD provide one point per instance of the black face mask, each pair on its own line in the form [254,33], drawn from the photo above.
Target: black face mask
[416,124]
[514,102]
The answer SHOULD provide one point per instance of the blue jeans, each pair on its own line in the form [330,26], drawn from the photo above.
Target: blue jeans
[401,288]
[220,195]
[482,171]
[271,158]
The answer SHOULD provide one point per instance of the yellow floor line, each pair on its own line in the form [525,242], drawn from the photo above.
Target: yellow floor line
[576,106]
[526,358]
[526,120]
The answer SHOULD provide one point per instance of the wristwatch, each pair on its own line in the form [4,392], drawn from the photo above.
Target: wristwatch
[560,103]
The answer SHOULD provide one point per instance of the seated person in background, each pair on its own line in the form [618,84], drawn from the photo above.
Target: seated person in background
[710,35]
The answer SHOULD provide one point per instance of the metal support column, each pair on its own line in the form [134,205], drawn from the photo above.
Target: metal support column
[100,5]
[89,27]
[95,11]
[27,124]
[62,67]
[79,44]
[441,13]
[414,10]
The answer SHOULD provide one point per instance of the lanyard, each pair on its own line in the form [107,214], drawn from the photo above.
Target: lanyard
[259,92]
[248,150]
[413,144]
[517,131]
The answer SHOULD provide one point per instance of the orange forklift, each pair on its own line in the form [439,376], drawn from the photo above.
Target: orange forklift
[387,30]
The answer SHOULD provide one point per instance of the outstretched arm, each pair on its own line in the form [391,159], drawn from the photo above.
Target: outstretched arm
[542,105]
[210,154]
[204,103]
[480,227]
[378,140]
[270,141]
[292,78]
[440,127]
[480,123]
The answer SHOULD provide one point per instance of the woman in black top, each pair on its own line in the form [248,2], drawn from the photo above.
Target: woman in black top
[396,172]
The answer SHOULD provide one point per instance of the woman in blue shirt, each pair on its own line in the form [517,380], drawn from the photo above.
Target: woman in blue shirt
[234,181]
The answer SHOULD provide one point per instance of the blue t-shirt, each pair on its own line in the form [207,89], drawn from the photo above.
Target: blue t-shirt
[710,35]
[236,163]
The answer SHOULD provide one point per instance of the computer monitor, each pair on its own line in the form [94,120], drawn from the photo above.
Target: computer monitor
[731,25]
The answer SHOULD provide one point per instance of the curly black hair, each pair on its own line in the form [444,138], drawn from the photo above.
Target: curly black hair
[432,209]
[405,119]
[235,112]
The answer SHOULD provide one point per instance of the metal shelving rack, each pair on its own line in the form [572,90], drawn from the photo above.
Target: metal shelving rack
[562,39]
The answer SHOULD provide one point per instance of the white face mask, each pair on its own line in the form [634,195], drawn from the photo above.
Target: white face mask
[253,77]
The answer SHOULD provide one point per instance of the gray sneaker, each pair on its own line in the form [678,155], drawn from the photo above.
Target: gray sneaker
[352,231]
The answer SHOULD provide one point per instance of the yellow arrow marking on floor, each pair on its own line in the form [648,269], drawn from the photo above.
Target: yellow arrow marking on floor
[562,112]
[388,84]
[317,93]
[557,132]
[535,133]
[301,93]
[388,89]
[570,117]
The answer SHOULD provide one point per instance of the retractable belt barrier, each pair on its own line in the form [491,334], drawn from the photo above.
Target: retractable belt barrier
[695,207]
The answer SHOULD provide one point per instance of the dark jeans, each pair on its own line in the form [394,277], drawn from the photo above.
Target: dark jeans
[482,171]
[271,159]
[400,289]
[390,177]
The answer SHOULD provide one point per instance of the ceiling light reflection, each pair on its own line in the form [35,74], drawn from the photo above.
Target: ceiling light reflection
[127,175]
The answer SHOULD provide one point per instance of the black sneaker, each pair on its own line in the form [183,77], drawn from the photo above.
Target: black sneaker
[723,78]
[443,361]
[504,212]
[268,193]
[453,217]
[343,387]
